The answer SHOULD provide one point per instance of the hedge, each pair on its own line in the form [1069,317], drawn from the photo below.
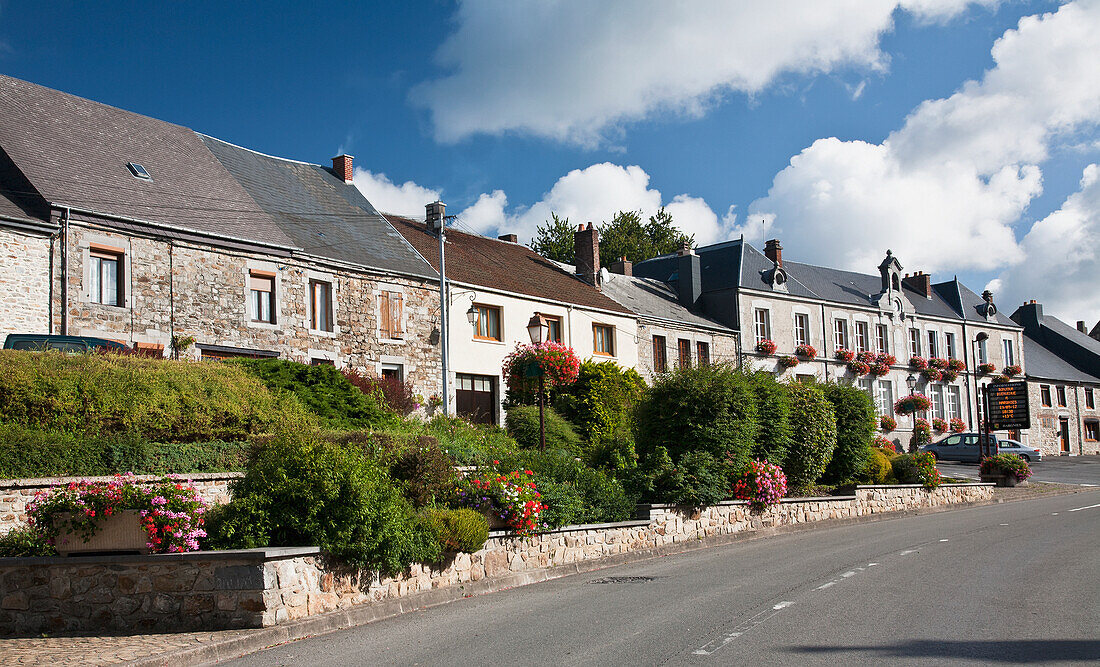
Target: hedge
[813,435]
[601,406]
[855,426]
[773,410]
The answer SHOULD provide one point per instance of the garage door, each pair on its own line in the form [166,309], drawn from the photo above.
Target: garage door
[476,398]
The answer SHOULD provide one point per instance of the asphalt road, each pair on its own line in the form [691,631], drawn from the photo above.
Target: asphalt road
[1017,583]
[1079,470]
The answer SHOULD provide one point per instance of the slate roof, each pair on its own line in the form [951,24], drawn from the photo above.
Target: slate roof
[319,212]
[1045,364]
[650,297]
[73,152]
[477,260]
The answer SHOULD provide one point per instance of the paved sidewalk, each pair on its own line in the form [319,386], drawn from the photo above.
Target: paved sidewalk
[108,650]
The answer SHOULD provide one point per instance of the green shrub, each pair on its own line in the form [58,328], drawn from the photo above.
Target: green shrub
[601,405]
[564,504]
[466,443]
[855,427]
[424,473]
[157,399]
[698,480]
[461,530]
[773,409]
[522,423]
[813,435]
[323,389]
[709,408]
[878,467]
[325,495]
[918,468]
[25,542]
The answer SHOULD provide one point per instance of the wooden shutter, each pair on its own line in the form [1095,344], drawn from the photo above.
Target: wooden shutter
[385,326]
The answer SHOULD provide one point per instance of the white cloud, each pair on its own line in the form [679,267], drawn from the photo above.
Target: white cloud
[407,199]
[944,190]
[1061,269]
[486,214]
[572,71]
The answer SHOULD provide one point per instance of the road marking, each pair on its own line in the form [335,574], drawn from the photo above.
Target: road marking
[826,585]
[781,605]
[943,540]
[1054,514]
[1078,509]
[907,552]
[848,574]
[1002,524]
[871,564]
[1088,485]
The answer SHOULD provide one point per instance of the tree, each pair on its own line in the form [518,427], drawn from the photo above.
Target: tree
[627,236]
[555,240]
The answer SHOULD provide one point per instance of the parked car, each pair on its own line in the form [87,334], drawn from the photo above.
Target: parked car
[1029,454]
[964,447]
[70,344]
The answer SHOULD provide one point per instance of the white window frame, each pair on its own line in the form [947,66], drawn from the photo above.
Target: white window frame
[882,338]
[802,334]
[865,327]
[1008,348]
[333,292]
[914,342]
[840,333]
[954,402]
[120,248]
[762,326]
[949,340]
[933,343]
[884,397]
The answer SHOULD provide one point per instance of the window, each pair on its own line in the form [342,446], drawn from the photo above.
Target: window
[933,348]
[555,328]
[1010,356]
[863,338]
[262,290]
[868,386]
[603,339]
[936,394]
[1044,395]
[882,338]
[318,361]
[762,323]
[320,305]
[914,342]
[954,402]
[703,350]
[1061,396]
[801,329]
[390,307]
[884,397]
[1090,400]
[105,274]
[950,337]
[487,324]
[684,348]
[393,372]
[983,353]
[840,333]
[660,361]
[1092,431]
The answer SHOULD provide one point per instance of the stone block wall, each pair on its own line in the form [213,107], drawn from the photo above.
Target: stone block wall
[16,493]
[25,289]
[265,587]
[723,346]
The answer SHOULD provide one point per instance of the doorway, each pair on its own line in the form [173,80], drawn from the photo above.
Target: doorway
[476,398]
[1063,434]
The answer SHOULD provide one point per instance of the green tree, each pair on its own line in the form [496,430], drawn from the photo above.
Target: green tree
[628,236]
[855,426]
[555,240]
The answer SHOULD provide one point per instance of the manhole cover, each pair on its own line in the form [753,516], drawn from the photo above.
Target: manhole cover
[622,580]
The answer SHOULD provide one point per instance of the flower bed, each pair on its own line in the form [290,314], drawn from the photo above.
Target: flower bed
[511,497]
[763,485]
[882,443]
[1006,465]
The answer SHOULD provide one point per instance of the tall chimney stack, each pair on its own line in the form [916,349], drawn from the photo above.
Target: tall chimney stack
[774,252]
[341,164]
[586,247]
[689,281]
[921,282]
[434,215]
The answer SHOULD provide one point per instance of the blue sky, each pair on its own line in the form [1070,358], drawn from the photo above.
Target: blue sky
[959,134]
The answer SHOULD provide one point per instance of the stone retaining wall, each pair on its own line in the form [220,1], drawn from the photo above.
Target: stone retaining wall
[265,587]
[16,493]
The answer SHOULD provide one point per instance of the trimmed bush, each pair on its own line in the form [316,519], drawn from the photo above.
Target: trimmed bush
[157,399]
[878,467]
[855,427]
[813,435]
[326,495]
[460,530]
[699,480]
[709,408]
[522,423]
[424,473]
[323,389]
[919,468]
[773,409]
[398,396]
[590,497]
[600,403]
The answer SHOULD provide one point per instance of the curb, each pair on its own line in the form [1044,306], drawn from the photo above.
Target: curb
[261,638]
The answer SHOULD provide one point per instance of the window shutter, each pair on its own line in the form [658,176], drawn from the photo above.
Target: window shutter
[396,304]
[385,327]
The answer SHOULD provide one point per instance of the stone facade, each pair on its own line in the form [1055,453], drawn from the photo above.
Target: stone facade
[722,347]
[1047,417]
[25,289]
[265,587]
[213,487]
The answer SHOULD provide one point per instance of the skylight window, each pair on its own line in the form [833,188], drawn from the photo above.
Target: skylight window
[138,171]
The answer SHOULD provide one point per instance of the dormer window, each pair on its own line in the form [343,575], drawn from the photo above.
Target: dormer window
[138,171]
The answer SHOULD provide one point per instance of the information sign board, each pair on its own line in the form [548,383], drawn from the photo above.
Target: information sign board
[1008,406]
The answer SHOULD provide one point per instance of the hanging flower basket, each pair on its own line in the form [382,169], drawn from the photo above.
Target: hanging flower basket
[949,375]
[788,361]
[858,368]
[887,423]
[986,369]
[913,403]
[886,358]
[957,425]
[766,346]
[940,425]
[557,363]
[937,362]
[844,354]
[1013,370]
[957,365]
[918,363]
[932,374]
[806,351]
[866,357]
[878,369]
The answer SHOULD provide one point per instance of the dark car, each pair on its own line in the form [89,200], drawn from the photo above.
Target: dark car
[964,447]
[70,344]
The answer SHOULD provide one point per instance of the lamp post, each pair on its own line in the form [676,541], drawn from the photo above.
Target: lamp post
[912,382]
[539,330]
[979,398]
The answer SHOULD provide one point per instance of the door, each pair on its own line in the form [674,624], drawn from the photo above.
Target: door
[968,448]
[1063,434]
[475,398]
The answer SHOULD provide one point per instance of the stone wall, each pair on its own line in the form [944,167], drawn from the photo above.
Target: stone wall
[265,587]
[1045,431]
[723,346]
[25,289]
[16,493]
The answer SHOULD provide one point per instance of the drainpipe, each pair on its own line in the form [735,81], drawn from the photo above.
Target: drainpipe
[824,343]
[49,307]
[65,272]
[966,344]
[1080,428]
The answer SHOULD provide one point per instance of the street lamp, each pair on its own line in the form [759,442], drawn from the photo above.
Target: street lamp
[471,315]
[539,330]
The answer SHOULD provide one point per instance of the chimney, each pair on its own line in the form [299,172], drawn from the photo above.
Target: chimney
[919,281]
[1082,327]
[434,215]
[689,281]
[341,164]
[586,247]
[622,267]
[510,238]
[1029,316]
[774,252]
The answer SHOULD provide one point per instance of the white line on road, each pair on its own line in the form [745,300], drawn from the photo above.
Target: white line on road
[943,540]
[1002,524]
[826,585]
[907,552]
[1088,485]
[1054,514]
[1078,509]
[781,605]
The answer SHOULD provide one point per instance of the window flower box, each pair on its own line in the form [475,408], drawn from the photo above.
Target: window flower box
[957,365]
[788,361]
[957,425]
[887,423]
[949,375]
[918,363]
[844,354]
[1013,370]
[986,369]
[806,351]
[932,374]
[886,358]
[879,369]
[937,362]
[858,368]
[766,346]
[940,425]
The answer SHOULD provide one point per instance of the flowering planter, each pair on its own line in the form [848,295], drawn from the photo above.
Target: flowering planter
[1002,480]
[495,522]
[120,532]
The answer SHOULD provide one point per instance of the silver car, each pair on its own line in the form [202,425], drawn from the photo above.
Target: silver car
[1029,454]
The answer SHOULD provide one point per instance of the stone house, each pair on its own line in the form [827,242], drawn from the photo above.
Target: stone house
[767,298]
[1063,381]
[125,227]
